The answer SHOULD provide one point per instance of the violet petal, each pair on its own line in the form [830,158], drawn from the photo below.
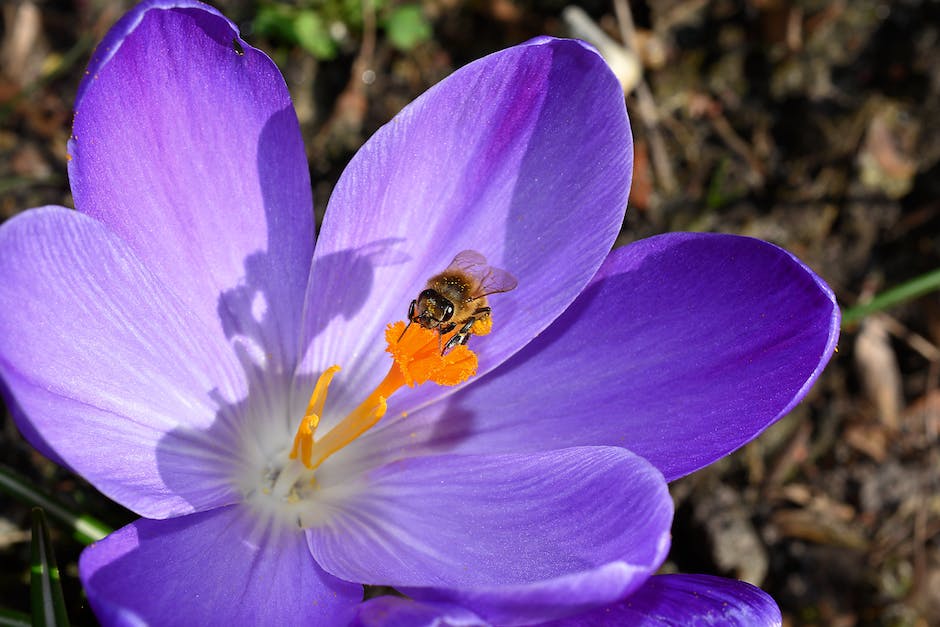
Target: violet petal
[684,600]
[683,348]
[524,155]
[186,144]
[95,351]
[511,537]
[213,568]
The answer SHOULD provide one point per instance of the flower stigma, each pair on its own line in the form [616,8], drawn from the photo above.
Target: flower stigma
[416,359]
[289,481]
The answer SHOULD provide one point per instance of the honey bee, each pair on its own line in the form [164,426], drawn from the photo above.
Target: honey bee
[456,298]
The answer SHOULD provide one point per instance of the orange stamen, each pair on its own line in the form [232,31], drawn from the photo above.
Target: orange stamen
[417,358]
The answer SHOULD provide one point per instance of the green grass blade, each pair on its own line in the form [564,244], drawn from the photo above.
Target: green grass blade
[45,589]
[84,528]
[12,618]
[924,284]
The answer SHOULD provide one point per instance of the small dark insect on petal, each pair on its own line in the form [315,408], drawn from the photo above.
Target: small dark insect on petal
[237,47]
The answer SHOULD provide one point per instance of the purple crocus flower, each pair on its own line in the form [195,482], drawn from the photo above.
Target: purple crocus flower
[172,338]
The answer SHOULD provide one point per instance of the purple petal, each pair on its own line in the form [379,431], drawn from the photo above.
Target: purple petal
[524,156]
[108,369]
[511,537]
[663,600]
[684,347]
[213,568]
[390,611]
[185,143]
[682,600]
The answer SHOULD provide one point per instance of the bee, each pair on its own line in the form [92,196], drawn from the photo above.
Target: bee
[456,298]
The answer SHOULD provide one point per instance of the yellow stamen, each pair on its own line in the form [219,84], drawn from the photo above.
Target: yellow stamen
[417,358]
[303,441]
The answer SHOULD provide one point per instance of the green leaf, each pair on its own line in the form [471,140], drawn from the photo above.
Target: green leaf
[45,588]
[12,618]
[313,35]
[84,528]
[407,27]
[275,22]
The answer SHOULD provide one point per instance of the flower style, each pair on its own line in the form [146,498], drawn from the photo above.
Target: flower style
[175,341]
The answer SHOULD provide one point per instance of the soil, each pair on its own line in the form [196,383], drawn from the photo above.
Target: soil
[811,124]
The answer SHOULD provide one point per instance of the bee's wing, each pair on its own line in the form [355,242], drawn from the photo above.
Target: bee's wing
[469,261]
[496,280]
[491,280]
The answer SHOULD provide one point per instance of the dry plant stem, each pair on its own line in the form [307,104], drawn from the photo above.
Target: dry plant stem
[649,116]
[919,550]
[366,52]
[352,103]
[734,142]
[795,453]
[930,418]
[879,371]
[24,25]
[927,349]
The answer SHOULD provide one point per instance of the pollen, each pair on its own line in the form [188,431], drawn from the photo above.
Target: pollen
[416,359]
[482,326]
[417,353]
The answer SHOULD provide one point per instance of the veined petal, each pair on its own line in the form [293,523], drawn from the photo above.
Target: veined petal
[663,601]
[683,348]
[686,601]
[186,145]
[524,156]
[96,352]
[222,567]
[514,538]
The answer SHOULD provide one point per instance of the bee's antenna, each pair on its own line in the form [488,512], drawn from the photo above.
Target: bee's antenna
[411,318]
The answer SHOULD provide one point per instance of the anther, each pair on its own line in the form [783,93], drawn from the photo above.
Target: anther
[416,359]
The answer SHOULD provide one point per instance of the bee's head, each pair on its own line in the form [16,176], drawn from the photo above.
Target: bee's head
[432,309]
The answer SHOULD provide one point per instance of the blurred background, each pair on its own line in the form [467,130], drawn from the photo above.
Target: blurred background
[812,124]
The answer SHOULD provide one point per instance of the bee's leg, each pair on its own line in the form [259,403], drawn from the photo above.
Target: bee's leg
[482,312]
[454,341]
[442,330]
[460,337]
[464,333]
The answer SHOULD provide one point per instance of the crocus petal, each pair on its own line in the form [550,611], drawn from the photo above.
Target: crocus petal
[94,350]
[388,611]
[185,143]
[524,156]
[687,600]
[222,567]
[512,537]
[683,348]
